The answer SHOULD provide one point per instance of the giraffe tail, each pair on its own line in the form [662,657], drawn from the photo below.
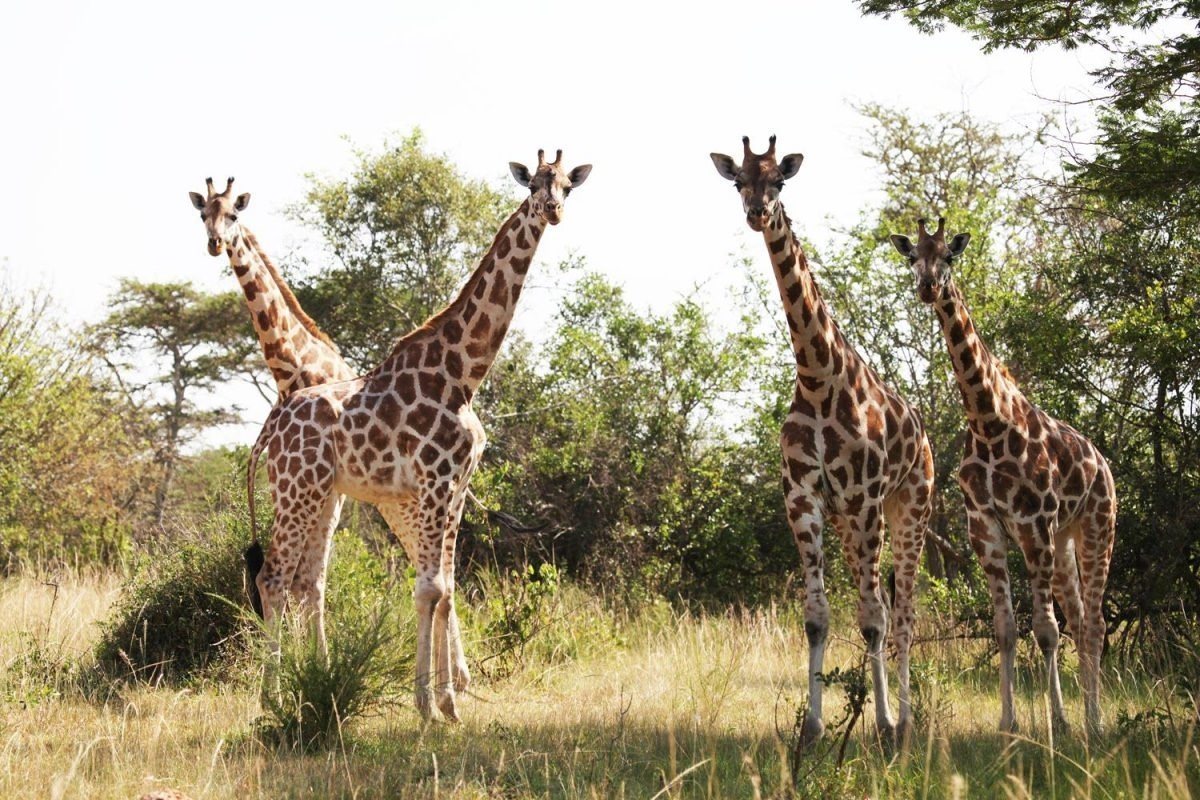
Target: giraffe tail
[253,555]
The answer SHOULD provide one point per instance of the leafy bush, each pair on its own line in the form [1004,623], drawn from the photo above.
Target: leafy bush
[180,614]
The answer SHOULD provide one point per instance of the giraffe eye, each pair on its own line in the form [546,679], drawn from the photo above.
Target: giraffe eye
[778,185]
[233,217]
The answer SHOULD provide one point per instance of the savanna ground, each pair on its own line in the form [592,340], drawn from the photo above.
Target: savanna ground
[594,704]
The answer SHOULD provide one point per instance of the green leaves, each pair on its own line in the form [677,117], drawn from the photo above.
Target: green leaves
[402,230]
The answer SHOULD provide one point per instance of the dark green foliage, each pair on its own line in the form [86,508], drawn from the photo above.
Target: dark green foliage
[1140,72]
[182,613]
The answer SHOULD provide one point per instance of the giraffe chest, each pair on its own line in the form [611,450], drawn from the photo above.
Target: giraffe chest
[838,443]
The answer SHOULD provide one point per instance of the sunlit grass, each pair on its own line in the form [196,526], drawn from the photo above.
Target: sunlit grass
[674,705]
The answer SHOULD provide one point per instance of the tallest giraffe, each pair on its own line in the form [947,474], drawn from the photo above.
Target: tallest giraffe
[854,452]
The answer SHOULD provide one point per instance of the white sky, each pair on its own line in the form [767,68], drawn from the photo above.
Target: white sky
[114,111]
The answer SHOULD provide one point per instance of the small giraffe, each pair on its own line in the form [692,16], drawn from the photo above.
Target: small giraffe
[297,352]
[853,452]
[404,436]
[1027,476]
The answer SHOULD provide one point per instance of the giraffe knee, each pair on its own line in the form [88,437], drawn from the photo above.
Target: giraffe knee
[1047,641]
[873,636]
[816,630]
[1006,633]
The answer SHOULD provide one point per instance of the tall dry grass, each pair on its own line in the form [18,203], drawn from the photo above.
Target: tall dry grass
[666,704]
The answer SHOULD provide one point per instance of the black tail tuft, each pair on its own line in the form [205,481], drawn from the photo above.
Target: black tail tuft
[254,564]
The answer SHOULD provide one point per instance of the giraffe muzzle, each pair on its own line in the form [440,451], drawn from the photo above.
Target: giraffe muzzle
[215,246]
[927,289]
[757,218]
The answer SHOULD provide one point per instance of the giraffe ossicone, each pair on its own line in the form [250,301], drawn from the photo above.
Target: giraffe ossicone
[297,352]
[854,453]
[404,437]
[1026,476]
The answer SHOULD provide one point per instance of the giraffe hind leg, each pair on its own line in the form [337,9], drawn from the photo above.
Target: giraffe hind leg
[908,510]
[1094,544]
[308,585]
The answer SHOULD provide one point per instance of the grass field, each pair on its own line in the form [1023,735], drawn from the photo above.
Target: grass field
[665,705]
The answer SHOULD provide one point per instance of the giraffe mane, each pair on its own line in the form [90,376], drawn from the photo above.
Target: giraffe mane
[290,299]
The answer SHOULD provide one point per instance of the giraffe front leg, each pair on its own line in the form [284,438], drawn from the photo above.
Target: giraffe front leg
[406,520]
[1094,548]
[460,674]
[865,538]
[804,518]
[990,545]
[426,596]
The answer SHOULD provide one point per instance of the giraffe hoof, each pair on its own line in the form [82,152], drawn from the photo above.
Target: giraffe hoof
[448,707]
[462,678]
[1009,726]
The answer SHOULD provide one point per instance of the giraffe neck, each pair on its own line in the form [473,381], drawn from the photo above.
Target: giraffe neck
[989,395]
[467,334]
[297,352]
[815,338]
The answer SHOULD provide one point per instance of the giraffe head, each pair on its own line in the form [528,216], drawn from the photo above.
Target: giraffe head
[931,257]
[759,180]
[549,184]
[219,210]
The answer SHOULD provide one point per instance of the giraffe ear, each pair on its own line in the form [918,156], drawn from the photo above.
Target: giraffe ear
[903,245]
[790,165]
[579,174]
[520,172]
[242,201]
[959,243]
[725,166]
[197,200]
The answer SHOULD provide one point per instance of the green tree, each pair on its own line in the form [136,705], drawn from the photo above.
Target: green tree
[71,463]
[616,434]
[196,341]
[403,229]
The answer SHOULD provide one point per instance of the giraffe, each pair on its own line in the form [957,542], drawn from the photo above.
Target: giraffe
[853,452]
[1027,476]
[298,353]
[404,436]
